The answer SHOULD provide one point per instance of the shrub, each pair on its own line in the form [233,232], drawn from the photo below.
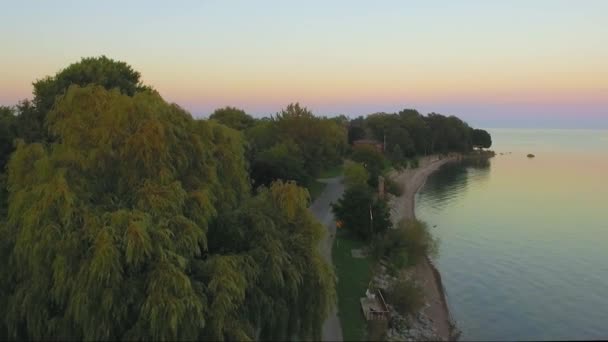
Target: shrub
[405,296]
[355,174]
[391,247]
[393,187]
[417,240]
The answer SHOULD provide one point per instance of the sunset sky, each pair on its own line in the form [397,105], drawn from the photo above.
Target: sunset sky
[495,64]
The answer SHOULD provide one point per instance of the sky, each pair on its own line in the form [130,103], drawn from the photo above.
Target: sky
[492,63]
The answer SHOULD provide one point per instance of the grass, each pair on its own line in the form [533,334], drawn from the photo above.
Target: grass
[353,278]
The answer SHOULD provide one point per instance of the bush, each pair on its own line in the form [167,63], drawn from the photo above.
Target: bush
[392,187]
[391,247]
[405,296]
[417,240]
[355,174]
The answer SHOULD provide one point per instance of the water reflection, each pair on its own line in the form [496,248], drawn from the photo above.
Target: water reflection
[523,248]
[451,180]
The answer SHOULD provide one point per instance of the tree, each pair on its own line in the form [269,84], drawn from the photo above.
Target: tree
[282,161]
[481,138]
[356,129]
[371,159]
[114,231]
[362,213]
[294,145]
[7,135]
[102,71]
[321,141]
[355,174]
[397,157]
[448,134]
[418,130]
[233,118]
[292,289]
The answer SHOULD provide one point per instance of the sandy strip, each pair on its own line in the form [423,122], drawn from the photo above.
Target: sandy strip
[411,180]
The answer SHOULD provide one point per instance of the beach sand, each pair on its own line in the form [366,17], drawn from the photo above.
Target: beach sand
[402,207]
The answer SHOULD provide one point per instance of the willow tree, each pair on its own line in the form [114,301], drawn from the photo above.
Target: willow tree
[274,242]
[114,230]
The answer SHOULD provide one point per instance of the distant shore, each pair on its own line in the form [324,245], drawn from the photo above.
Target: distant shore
[403,207]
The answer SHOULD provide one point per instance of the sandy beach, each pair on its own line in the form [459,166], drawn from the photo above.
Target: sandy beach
[411,180]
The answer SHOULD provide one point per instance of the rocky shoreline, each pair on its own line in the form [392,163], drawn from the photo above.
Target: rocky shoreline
[433,322]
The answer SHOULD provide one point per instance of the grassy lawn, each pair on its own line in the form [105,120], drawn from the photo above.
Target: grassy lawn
[353,278]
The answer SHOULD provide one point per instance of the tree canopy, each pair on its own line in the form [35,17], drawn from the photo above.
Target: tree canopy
[233,118]
[362,212]
[481,138]
[136,222]
[294,145]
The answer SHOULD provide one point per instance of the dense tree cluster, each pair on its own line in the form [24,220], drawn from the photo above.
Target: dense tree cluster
[291,145]
[408,134]
[129,219]
[481,138]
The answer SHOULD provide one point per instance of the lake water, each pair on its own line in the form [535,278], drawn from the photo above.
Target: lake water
[524,242]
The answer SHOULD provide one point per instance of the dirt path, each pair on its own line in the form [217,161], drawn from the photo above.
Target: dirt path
[321,208]
[402,207]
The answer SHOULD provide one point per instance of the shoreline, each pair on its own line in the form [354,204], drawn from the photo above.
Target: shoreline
[403,207]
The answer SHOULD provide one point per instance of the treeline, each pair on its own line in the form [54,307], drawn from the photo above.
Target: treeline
[124,218]
[293,144]
[408,133]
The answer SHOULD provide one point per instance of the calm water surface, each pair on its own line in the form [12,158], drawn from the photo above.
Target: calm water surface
[524,242]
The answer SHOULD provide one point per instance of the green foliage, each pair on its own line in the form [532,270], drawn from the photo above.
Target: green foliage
[7,135]
[448,133]
[372,160]
[417,240]
[233,117]
[293,288]
[392,246]
[392,187]
[356,130]
[321,141]
[294,145]
[397,157]
[102,71]
[414,133]
[355,174]
[282,161]
[362,213]
[136,223]
[481,138]
[405,296]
